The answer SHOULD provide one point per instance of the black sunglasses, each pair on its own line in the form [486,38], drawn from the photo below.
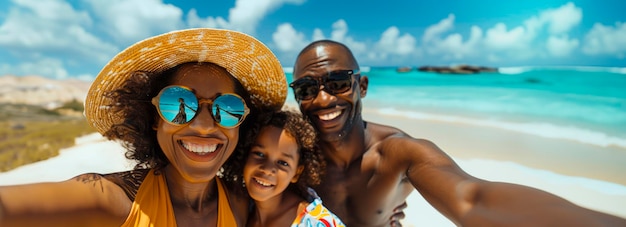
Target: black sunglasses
[335,82]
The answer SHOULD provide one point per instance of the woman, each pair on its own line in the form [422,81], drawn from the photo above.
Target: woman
[181,116]
[134,100]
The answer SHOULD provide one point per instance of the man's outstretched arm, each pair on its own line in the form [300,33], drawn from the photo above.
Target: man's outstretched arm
[469,201]
[512,204]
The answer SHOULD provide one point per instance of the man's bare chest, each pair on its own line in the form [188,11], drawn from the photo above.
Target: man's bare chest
[360,196]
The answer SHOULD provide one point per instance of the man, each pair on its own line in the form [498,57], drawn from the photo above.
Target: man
[372,168]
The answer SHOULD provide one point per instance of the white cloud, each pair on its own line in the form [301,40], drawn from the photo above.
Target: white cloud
[29,25]
[244,16]
[606,40]
[434,31]
[287,39]
[194,21]
[562,19]
[49,67]
[340,29]
[391,46]
[38,30]
[248,13]
[560,46]
[455,48]
[35,30]
[339,33]
[318,34]
[452,45]
[522,42]
[493,58]
[558,20]
[392,42]
[476,37]
[501,42]
[54,10]
[499,38]
[128,21]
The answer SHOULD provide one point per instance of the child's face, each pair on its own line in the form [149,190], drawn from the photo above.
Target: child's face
[272,164]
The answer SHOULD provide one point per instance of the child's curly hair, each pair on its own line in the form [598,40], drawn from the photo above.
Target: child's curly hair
[306,137]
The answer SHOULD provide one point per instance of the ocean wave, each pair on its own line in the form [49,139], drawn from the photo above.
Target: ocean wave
[523,69]
[513,70]
[364,69]
[620,70]
[533,128]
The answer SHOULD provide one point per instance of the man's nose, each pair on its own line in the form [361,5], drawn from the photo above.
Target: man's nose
[324,97]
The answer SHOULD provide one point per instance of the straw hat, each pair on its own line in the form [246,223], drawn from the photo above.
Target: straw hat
[243,56]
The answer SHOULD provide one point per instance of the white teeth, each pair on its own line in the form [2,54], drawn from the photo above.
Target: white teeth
[200,149]
[329,116]
[262,182]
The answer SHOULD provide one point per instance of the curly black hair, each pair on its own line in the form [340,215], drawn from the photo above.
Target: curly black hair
[132,103]
[306,137]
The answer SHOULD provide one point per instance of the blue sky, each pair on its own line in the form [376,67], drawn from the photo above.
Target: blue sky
[75,38]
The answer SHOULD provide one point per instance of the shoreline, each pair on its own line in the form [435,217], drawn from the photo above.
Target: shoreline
[465,140]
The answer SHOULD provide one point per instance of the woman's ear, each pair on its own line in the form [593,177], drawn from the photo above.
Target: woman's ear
[157,121]
[298,172]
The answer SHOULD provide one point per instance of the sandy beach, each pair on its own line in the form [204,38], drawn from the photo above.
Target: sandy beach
[566,168]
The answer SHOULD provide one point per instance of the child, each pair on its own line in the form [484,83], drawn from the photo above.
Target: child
[282,163]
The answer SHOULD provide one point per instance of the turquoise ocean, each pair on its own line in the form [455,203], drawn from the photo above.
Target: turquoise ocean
[584,104]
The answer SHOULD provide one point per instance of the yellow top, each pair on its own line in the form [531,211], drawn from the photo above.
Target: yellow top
[152,206]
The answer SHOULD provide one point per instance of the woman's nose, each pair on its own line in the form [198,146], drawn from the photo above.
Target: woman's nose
[203,122]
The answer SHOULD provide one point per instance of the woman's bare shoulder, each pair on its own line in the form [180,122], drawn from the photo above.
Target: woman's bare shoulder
[128,181]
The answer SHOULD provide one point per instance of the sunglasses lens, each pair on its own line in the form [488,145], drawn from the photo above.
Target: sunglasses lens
[339,82]
[177,105]
[228,110]
[305,88]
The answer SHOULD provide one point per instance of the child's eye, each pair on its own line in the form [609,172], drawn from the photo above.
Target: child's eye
[259,154]
[283,163]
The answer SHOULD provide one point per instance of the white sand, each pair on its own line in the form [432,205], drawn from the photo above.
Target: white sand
[93,154]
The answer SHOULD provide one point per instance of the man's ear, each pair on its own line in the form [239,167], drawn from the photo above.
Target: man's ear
[363,82]
[298,173]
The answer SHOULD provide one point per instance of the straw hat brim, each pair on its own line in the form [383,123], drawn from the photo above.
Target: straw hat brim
[243,56]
